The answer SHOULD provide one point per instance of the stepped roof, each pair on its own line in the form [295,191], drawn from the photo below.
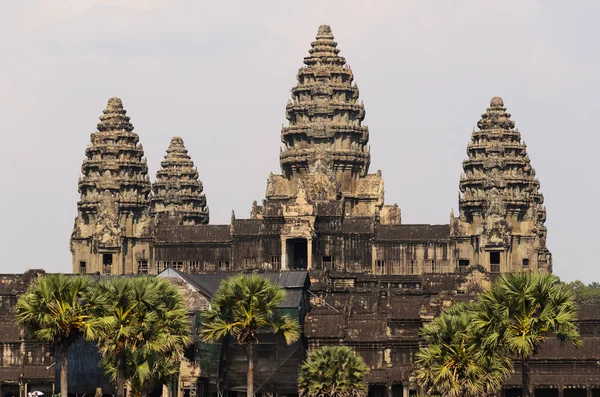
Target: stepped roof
[325,115]
[177,190]
[114,163]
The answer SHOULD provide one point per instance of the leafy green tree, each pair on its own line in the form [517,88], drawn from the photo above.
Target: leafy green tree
[54,310]
[520,311]
[585,294]
[452,364]
[333,371]
[241,307]
[144,369]
[143,330]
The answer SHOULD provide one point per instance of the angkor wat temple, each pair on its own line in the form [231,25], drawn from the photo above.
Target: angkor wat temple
[355,274]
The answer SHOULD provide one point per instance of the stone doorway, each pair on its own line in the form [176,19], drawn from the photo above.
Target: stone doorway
[297,253]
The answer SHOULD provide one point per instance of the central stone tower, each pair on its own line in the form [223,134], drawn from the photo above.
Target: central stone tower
[326,153]
[325,119]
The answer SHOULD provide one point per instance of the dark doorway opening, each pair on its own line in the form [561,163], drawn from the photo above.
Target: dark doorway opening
[574,392]
[495,261]
[545,393]
[377,391]
[297,253]
[513,392]
[107,260]
[463,264]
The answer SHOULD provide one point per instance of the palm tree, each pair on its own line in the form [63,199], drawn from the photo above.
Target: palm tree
[54,310]
[453,364]
[142,322]
[241,307]
[333,371]
[144,369]
[521,310]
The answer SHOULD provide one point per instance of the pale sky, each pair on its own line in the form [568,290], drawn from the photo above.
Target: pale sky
[219,73]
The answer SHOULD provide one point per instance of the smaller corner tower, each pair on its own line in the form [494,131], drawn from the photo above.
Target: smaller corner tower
[111,231]
[177,191]
[501,221]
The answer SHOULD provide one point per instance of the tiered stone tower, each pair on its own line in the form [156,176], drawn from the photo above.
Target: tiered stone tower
[326,153]
[112,219]
[501,223]
[177,190]
[325,118]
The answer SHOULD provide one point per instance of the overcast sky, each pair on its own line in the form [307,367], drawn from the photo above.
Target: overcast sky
[219,74]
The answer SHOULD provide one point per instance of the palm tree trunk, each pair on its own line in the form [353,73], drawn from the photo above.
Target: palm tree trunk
[250,380]
[64,370]
[121,373]
[525,377]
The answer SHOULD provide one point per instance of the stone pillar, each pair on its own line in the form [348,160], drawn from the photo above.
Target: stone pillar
[560,391]
[284,264]
[390,392]
[405,389]
[309,253]
[588,390]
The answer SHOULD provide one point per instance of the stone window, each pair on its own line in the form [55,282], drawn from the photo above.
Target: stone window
[276,261]
[432,266]
[224,265]
[82,267]
[195,266]
[107,260]
[178,266]
[328,262]
[380,267]
[463,264]
[161,266]
[525,263]
[495,261]
[142,267]
[412,267]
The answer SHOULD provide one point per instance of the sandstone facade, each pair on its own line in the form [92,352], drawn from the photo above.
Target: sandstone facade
[324,212]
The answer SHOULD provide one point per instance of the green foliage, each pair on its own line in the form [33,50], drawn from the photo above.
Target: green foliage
[143,329]
[241,307]
[520,310]
[244,304]
[53,308]
[333,371]
[584,294]
[452,364]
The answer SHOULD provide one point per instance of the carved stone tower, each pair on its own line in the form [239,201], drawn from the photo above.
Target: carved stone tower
[324,160]
[501,222]
[177,190]
[326,149]
[325,118]
[111,229]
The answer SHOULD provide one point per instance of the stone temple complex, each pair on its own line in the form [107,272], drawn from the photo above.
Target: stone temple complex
[353,272]
[324,212]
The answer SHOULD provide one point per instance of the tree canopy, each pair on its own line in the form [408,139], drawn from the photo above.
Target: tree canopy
[241,307]
[333,371]
[452,364]
[144,328]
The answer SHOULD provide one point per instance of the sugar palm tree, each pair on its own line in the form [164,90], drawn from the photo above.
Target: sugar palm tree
[520,311]
[333,371]
[144,369]
[451,365]
[54,310]
[241,307]
[142,322]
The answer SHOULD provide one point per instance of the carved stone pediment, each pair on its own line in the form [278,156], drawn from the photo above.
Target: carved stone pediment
[108,231]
